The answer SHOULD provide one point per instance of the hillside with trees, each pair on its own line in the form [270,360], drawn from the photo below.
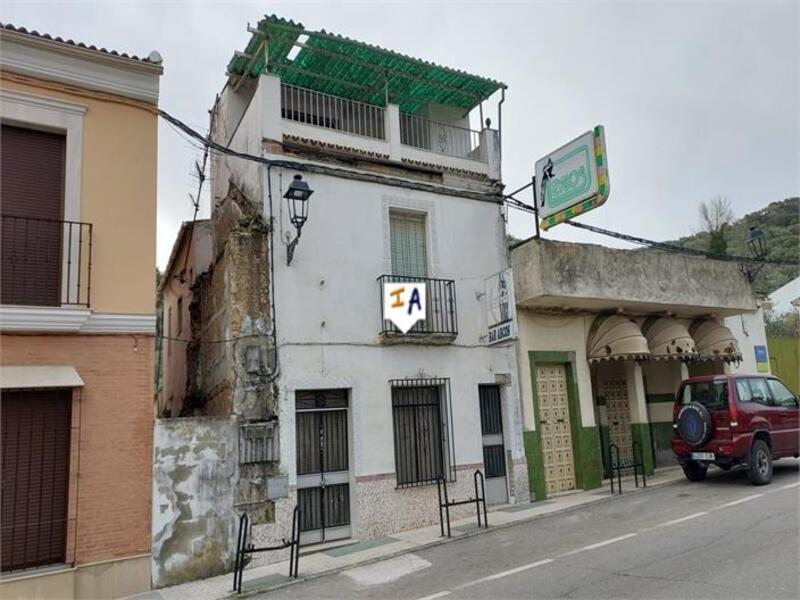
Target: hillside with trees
[780,222]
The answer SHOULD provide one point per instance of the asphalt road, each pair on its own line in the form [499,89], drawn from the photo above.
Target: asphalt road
[722,538]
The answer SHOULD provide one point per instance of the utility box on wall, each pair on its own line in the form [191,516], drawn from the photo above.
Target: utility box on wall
[277,487]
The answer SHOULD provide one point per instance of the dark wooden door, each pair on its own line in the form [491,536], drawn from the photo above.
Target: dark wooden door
[35,477]
[32,192]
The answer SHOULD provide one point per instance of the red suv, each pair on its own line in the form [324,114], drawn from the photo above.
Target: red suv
[734,421]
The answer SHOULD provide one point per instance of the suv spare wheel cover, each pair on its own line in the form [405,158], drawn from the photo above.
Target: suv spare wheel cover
[694,424]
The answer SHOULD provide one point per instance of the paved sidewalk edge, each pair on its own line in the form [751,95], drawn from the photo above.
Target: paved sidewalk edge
[445,540]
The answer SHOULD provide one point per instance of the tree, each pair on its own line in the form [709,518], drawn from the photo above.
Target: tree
[715,217]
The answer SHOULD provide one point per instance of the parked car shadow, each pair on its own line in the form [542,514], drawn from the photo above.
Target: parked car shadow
[783,471]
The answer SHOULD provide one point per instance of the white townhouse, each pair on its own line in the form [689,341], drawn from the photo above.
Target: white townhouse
[360,419]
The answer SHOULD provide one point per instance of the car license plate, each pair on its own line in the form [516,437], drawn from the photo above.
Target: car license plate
[703,455]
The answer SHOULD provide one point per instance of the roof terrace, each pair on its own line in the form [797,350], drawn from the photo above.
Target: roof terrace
[350,95]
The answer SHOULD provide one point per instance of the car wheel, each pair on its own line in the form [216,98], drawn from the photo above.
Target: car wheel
[760,471]
[695,471]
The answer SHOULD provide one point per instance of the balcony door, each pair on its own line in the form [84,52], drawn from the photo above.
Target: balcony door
[32,191]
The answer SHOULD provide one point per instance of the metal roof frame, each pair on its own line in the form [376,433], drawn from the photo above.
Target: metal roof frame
[327,61]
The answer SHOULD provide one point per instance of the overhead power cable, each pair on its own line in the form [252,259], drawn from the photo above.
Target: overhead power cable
[675,248]
[665,246]
[208,142]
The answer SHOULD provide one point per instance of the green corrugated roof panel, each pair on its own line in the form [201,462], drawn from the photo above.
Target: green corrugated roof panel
[350,69]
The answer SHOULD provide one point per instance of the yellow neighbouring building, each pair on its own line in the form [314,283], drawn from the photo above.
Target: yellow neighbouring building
[77,316]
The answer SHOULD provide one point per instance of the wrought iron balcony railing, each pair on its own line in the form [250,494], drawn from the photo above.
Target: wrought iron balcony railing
[332,112]
[45,262]
[441,316]
[440,137]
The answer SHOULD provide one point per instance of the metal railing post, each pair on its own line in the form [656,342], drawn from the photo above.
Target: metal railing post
[477,497]
[439,492]
[446,506]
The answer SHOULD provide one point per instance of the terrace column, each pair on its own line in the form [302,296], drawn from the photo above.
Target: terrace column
[268,96]
[490,152]
[391,124]
[637,400]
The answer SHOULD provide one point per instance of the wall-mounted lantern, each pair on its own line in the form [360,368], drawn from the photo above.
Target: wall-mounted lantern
[757,246]
[297,198]
[756,243]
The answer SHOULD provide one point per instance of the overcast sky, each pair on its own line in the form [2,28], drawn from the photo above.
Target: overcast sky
[697,99]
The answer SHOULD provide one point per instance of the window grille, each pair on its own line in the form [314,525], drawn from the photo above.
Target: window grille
[258,442]
[491,421]
[423,437]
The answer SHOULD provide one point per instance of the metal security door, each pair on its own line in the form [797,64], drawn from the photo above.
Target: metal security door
[551,382]
[494,461]
[323,476]
[618,412]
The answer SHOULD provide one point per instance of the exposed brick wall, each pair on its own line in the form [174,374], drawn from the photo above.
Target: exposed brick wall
[116,435]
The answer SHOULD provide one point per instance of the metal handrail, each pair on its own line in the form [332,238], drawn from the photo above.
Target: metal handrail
[445,503]
[243,548]
[441,314]
[636,463]
[332,112]
[46,262]
[443,138]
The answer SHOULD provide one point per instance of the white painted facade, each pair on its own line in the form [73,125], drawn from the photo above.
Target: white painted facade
[328,303]
[749,330]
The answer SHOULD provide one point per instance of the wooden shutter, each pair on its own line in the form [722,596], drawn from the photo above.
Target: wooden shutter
[32,191]
[35,477]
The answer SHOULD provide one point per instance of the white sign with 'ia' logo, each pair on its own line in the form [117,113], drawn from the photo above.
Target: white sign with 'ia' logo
[404,303]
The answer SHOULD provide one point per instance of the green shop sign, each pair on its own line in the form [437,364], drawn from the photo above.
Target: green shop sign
[573,179]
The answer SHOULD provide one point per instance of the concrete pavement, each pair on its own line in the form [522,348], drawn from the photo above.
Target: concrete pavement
[722,538]
[320,560]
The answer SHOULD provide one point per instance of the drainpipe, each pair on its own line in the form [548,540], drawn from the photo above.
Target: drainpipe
[500,122]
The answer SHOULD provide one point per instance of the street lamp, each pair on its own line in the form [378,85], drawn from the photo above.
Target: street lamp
[297,198]
[756,243]
[757,246]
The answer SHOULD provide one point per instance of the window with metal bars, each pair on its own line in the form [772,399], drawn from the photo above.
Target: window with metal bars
[423,439]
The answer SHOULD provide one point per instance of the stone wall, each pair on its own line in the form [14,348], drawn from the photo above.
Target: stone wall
[202,482]
[232,302]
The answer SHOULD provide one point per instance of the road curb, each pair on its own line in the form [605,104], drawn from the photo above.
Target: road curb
[442,541]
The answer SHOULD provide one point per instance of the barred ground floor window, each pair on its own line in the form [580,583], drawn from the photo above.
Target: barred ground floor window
[423,439]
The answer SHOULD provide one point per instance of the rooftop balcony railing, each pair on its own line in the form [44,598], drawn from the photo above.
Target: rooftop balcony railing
[45,262]
[299,116]
[441,322]
[324,110]
[440,137]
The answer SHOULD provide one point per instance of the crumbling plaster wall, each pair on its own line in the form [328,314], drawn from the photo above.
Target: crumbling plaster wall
[195,472]
[233,304]
[203,479]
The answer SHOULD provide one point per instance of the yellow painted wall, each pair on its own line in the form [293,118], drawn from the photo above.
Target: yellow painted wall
[784,358]
[538,332]
[118,196]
